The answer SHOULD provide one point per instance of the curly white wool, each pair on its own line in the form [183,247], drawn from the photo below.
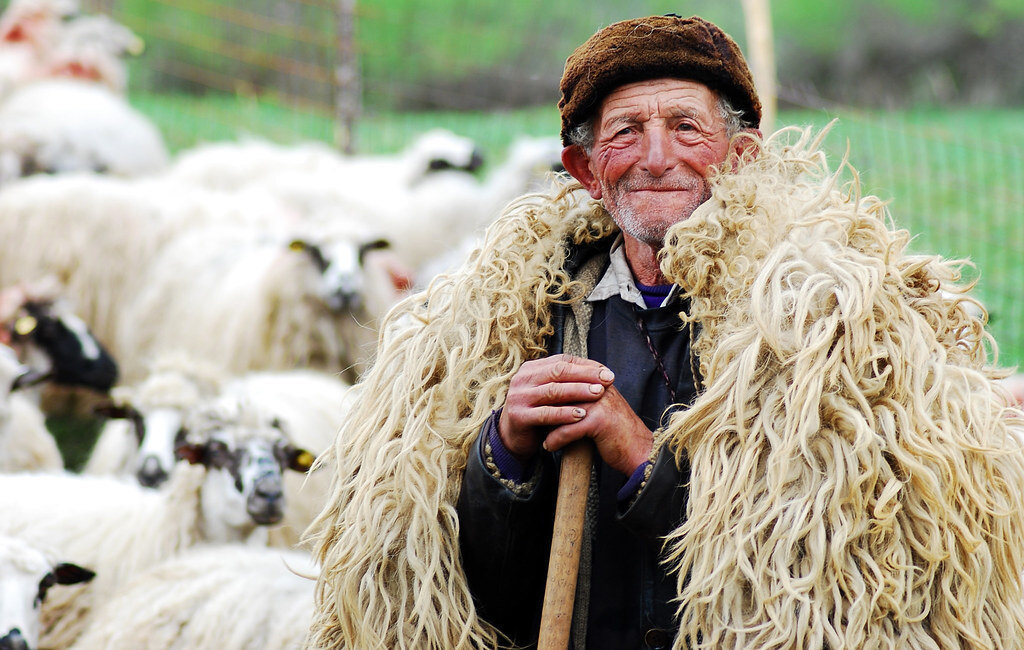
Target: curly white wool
[226,597]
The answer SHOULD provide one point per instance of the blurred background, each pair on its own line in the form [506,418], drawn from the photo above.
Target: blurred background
[929,96]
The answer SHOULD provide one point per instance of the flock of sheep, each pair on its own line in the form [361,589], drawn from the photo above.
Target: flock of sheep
[219,303]
[224,299]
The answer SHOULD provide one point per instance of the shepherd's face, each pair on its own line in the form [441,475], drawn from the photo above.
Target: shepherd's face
[654,142]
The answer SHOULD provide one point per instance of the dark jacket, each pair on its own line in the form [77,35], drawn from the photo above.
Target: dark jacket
[505,537]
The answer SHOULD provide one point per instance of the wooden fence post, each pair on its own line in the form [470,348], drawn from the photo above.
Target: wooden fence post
[347,94]
[757,15]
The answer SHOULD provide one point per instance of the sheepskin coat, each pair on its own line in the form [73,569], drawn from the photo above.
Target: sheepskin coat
[856,480]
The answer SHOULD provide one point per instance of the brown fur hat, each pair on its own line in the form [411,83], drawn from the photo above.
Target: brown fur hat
[647,48]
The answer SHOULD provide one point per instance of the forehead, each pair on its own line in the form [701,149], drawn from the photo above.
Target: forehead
[655,97]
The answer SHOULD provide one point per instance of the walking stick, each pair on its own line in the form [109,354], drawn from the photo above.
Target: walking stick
[564,563]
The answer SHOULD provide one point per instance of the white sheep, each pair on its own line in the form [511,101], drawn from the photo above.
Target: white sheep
[232,165]
[27,572]
[224,597]
[101,219]
[425,219]
[312,406]
[29,31]
[140,441]
[68,125]
[25,442]
[93,48]
[229,494]
[139,438]
[247,300]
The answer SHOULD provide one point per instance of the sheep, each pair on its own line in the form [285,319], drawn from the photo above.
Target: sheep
[186,601]
[138,439]
[42,39]
[27,572]
[29,30]
[312,407]
[423,220]
[103,218]
[246,300]
[93,48]
[25,442]
[66,125]
[229,491]
[232,165]
[39,324]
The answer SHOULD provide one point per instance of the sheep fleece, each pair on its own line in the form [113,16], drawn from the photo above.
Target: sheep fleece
[856,481]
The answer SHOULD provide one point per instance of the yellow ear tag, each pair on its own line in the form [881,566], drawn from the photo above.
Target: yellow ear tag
[24,325]
[304,460]
[297,246]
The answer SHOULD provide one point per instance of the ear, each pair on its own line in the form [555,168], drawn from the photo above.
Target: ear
[375,245]
[313,250]
[745,144]
[72,574]
[194,453]
[116,411]
[577,163]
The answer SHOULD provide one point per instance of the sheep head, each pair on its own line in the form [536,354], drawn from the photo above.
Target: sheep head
[26,575]
[245,453]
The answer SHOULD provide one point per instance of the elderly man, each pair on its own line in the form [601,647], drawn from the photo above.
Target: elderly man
[649,106]
[562,327]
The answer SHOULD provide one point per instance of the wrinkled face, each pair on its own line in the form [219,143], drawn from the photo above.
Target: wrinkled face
[653,144]
[25,577]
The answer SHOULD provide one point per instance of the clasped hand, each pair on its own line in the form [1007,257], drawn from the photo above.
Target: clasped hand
[558,399]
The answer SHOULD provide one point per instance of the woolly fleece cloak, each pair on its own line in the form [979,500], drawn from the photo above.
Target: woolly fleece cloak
[856,480]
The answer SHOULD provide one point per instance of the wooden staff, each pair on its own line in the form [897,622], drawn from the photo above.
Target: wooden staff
[564,563]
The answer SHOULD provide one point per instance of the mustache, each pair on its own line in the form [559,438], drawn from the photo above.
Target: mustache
[639,182]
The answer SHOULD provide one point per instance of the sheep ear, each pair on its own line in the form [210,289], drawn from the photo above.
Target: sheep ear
[72,574]
[194,453]
[314,252]
[116,411]
[375,245]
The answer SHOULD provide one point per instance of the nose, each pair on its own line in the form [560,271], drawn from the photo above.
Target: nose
[13,641]
[151,474]
[658,157]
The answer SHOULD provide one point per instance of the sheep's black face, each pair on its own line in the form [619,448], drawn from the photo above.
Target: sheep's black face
[75,357]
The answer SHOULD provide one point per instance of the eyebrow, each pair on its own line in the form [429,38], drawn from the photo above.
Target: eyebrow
[674,112]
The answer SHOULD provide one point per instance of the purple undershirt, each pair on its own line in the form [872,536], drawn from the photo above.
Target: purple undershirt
[654,294]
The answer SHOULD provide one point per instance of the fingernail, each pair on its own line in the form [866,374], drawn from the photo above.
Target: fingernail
[545,445]
[596,389]
[607,375]
[579,413]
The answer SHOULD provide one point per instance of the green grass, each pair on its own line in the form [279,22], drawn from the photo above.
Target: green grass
[954,178]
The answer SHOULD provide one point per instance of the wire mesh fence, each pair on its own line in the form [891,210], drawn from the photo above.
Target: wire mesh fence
[489,70]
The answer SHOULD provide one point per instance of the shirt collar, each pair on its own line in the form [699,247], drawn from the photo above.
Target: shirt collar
[618,280]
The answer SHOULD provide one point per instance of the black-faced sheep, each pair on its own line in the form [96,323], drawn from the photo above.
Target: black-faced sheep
[27,573]
[52,340]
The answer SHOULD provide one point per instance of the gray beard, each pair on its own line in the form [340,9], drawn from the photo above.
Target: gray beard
[652,234]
